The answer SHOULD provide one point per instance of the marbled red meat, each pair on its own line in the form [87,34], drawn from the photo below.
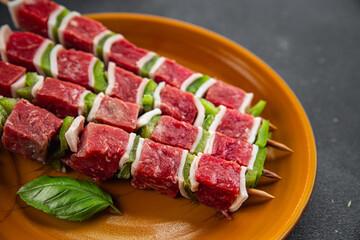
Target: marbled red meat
[158,168]
[178,104]
[231,149]
[219,182]
[29,130]
[34,14]
[118,113]
[126,85]
[21,49]
[9,74]
[172,73]
[80,32]
[73,67]
[224,94]
[59,97]
[100,150]
[235,124]
[126,54]
[175,133]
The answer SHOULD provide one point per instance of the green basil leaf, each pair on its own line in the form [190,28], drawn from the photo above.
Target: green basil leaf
[65,197]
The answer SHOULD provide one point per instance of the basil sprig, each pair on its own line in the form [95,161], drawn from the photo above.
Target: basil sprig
[65,197]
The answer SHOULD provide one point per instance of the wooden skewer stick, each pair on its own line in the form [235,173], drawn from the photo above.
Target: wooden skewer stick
[278,145]
[259,193]
[271,126]
[270,174]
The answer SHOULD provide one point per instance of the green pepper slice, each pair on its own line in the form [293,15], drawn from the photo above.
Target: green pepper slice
[257,109]
[30,80]
[209,107]
[100,46]
[186,174]
[253,176]
[200,147]
[100,78]
[8,104]
[148,96]
[148,129]
[45,60]
[125,171]
[263,134]
[147,66]
[194,86]
[63,147]
[88,103]
[59,19]
[208,121]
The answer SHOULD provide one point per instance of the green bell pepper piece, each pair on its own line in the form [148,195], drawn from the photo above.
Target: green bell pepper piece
[186,174]
[8,104]
[88,103]
[253,176]
[194,86]
[45,60]
[208,121]
[263,134]
[210,108]
[100,78]
[148,96]
[148,129]
[257,109]
[3,113]
[100,46]
[125,171]
[147,66]
[200,147]
[59,19]
[30,80]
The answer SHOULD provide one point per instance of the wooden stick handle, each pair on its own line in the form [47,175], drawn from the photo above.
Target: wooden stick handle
[259,193]
[278,145]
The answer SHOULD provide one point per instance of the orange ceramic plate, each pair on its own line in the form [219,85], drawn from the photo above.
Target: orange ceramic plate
[151,215]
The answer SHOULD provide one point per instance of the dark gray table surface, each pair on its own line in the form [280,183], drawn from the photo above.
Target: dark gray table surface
[315,47]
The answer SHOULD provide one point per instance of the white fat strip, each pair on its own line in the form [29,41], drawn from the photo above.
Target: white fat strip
[19,84]
[92,114]
[203,88]
[180,174]
[13,7]
[157,98]
[97,39]
[254,153]
[200,117]
[138,153]
[140,91]
[38,85]
[156,66]
[108,44]
[91,72]
[142,61]
[39,53]
[246,102]
[111,78]
[243,195]
[63,25]
[189,81]
[146,117]
[194,166]
[72,134]
[218,118]
[52,21]
[5,33]
[197,140]
[254,129]
[129,146]
[81,102]
[210,143]
[53,60]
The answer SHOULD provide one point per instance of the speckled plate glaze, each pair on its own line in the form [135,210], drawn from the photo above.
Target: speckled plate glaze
[148,215]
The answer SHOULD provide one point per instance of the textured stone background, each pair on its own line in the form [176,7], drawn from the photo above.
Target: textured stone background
[315,47]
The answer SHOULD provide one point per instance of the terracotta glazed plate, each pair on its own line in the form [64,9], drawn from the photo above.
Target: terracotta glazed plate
[151,215]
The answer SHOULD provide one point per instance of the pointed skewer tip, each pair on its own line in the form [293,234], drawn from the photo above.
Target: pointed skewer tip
[259,193]
[270,174]
[278,145]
